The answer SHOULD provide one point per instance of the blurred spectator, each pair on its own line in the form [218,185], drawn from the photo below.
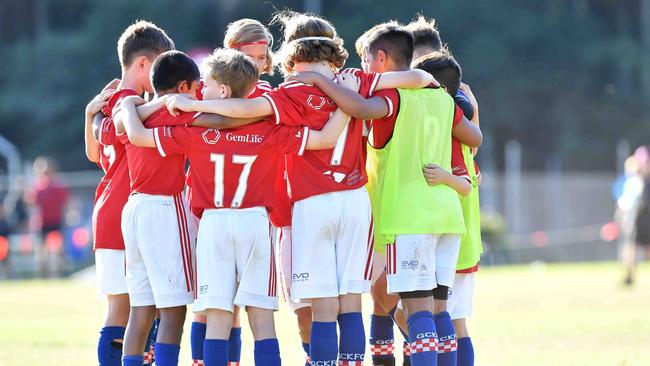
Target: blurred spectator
[49,197]
[633,212]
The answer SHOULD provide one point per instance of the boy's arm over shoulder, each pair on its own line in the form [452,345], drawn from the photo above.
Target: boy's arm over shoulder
[465,131]
[348,100]
[211,120]
[409,79]
[233,107]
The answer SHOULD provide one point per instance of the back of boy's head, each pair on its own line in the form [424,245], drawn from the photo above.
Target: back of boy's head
[361,43]
[142,38]
[308,38]
[425,33]
[394,40]
[171,68]
[250,31]
[443,67]
[232,68]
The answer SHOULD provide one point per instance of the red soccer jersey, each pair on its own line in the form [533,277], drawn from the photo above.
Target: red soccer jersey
[382,129]
[280,214]
[113,190]
[320,171]
[232,168]
[458,167]
[152,172]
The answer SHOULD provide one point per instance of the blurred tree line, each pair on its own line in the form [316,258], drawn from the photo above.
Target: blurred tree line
[565,77]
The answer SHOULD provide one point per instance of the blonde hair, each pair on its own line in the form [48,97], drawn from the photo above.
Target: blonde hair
[308,38]
[233,68]
[250,30]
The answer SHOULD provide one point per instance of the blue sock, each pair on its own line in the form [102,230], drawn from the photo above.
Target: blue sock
[391,313]
[382,340]
[267,352]
[465,352]
[323,344]
[197,336]
[151,341]
[132,360]
[108,352]
[234,346]
[352,346]
[422,333]
[166,354]
[305,347]
[447,343]
[215,352]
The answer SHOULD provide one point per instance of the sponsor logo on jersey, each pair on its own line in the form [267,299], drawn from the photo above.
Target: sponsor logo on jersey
[211,136]
[252,138]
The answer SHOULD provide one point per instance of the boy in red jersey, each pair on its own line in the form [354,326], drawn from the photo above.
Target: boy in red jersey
[331,228]
[157,233]
[232,187]
[137,47]
[253,39]
[385,47]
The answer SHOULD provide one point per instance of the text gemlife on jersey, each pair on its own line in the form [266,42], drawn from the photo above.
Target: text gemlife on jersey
[250,138]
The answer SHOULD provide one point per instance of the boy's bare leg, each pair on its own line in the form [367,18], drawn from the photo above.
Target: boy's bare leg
[137,329]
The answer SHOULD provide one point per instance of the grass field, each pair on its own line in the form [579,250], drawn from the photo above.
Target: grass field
[526,315]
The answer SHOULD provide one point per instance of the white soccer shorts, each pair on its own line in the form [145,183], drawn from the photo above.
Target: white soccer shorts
[110,272]
[420,262]
[331,245]
[283,248]
[235,260]
[460,303]
[159,245]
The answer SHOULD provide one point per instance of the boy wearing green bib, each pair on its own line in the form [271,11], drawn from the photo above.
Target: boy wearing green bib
[447,71]
[420,224]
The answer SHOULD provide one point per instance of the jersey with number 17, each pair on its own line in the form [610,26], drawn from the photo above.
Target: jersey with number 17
[232,168]
[321,171]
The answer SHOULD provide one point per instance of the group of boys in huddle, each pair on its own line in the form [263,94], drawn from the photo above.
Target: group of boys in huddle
[338,182]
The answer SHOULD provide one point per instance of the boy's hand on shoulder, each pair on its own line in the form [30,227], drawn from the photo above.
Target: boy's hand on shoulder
[98,102]
[132,100]
[179,103]
[349,81]
[306,77]
[434,174]
[113,84]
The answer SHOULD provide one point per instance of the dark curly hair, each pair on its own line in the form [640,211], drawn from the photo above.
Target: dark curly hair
[293,50]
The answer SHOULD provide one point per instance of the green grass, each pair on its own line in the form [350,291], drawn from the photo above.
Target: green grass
[530,315]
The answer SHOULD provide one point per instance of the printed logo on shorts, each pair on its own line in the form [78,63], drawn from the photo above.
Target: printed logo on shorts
[203,289]
[300,277]
[211,136]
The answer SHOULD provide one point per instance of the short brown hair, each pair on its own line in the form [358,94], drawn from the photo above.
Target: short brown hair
[142,38]
[232,68]
[442,66]
[425,33]
[250,30]
[361,44]
[296,49]
[394,40]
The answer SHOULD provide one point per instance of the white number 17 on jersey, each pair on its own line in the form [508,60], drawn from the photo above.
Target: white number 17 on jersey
[219,167]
